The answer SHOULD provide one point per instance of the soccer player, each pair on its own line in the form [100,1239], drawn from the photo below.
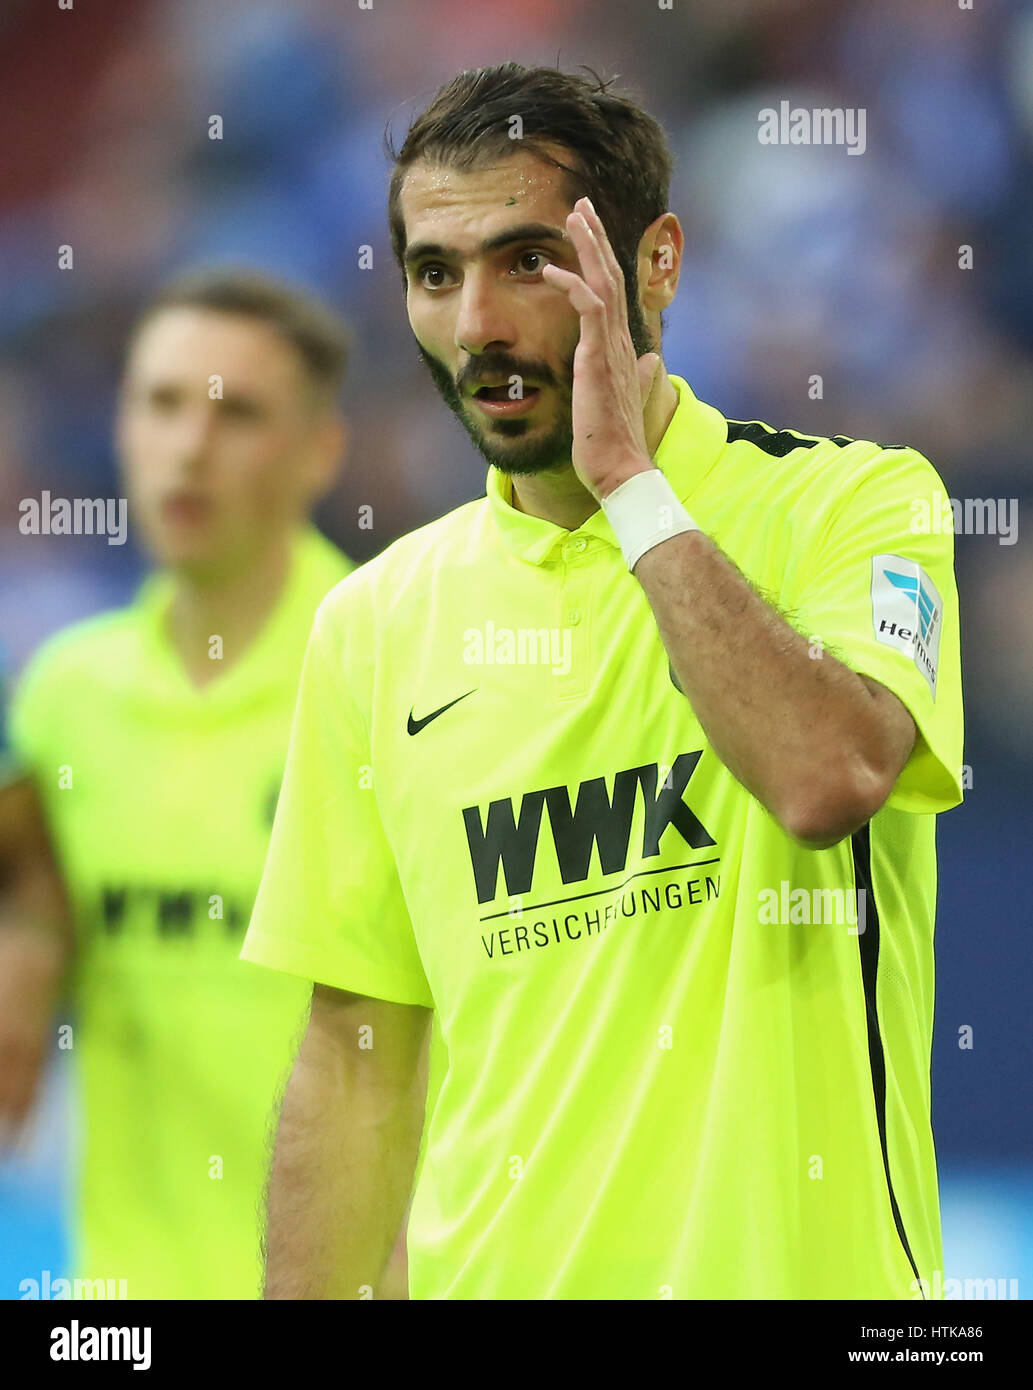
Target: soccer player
[621,779]
[156,737]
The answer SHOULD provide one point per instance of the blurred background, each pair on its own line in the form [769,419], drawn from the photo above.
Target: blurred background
[801,261]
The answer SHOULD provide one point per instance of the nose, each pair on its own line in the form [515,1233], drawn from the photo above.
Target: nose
[482,323]
[194,435]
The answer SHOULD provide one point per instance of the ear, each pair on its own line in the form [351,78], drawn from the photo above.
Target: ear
[660,252]
[328,453]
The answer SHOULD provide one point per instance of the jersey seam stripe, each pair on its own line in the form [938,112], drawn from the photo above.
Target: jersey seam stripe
[777,443]
[868,948]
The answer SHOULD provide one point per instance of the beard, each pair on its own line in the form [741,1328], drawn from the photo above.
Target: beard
[505,443]
[517,447]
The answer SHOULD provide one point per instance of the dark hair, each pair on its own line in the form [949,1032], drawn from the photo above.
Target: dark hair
[317,333]
[620,155]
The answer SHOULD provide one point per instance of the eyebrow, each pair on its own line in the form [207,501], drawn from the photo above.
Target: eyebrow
[234,395]
[527,231]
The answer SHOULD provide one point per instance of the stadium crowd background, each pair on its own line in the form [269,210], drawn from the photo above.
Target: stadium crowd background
[800,261]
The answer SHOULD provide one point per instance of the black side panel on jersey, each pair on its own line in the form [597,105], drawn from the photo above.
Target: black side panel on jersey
[868,944]
[776,442]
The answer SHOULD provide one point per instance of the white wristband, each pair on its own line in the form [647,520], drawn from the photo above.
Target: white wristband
[643,512]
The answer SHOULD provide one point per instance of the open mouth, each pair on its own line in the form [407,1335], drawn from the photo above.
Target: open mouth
[492,393]
[498,400]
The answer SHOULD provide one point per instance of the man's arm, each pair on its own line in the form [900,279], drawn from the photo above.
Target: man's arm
[394,1282]
[36,947]
[346,1147]
[817,744]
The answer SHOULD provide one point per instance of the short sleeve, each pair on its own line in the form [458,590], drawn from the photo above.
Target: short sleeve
[881,595]
[329,906]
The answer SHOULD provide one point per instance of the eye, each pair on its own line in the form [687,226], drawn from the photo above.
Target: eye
[540,257]
[432,276]
[163,400]
[239,408]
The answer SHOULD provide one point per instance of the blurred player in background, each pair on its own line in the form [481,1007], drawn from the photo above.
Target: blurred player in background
[156,737]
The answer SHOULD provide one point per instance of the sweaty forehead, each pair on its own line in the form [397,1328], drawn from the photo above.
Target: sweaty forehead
[439,201]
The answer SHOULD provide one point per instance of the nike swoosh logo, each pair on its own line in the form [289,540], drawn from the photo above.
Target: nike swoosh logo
[415,725]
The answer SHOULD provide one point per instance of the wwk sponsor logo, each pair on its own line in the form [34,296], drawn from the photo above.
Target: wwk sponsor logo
[597,819]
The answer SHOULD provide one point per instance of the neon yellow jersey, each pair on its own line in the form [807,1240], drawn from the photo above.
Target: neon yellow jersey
[160,798]
[674,1060]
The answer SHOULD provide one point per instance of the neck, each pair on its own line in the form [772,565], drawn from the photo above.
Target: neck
[558,495]
[232,607]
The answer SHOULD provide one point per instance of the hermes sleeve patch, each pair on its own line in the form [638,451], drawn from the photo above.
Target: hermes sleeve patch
[907,612]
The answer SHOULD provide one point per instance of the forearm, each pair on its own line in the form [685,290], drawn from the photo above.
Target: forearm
[342,1171]
[793,724]
[394,1282]
[36,922]
[36,949]
[34,907]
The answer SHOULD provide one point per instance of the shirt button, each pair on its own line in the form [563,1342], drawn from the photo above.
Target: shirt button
[580,544]
[573,617]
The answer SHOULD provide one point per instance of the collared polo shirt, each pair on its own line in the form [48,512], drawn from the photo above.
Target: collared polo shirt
[160,797]
[676,1054]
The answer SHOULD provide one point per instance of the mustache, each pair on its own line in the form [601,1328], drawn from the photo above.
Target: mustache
[493,365]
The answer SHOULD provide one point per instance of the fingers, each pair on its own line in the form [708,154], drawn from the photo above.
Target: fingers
[593,265]
[594,221]
[582,297]
[598,261]
[601,275]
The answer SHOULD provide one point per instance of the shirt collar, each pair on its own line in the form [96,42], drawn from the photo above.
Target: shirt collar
[686,453]
[314,567]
